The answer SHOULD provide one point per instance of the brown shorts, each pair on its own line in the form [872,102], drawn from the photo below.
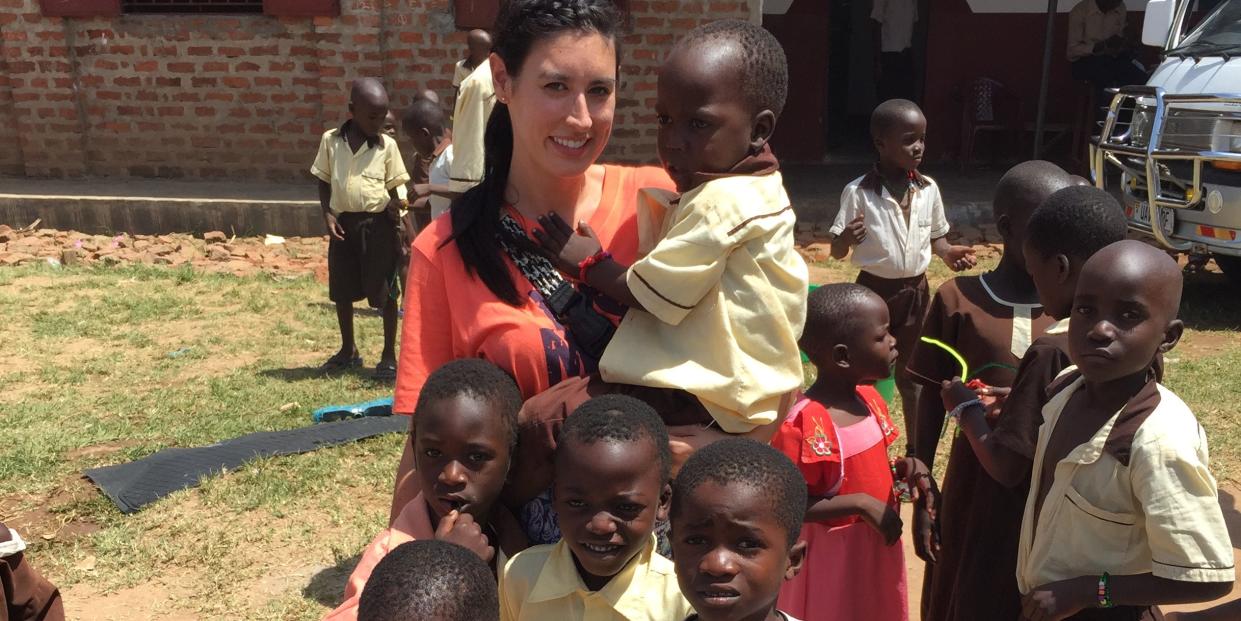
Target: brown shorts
[908,300]
[362,265]
[542,416]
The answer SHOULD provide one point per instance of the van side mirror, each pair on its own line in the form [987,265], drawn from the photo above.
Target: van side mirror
[1158,22]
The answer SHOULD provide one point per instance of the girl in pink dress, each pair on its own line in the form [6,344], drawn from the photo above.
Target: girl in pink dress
[838,435]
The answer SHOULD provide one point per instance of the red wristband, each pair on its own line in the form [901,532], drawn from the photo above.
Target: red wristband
[591,261]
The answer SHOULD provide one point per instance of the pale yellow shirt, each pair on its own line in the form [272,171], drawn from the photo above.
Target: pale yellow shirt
[1137,498]
[360,181]
[893,248]
[725,296]
[1088,26]
[474,104]
[460,73]
[542,584]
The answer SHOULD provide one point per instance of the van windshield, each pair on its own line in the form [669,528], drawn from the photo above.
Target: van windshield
[1218,34]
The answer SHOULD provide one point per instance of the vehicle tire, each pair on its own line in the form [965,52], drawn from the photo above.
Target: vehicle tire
[1231,267]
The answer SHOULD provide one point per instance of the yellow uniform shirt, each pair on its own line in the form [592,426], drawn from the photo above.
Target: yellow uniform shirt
[460,72]
[1136,498]
[469,122]
[725,295]
[360,181]
[542,583]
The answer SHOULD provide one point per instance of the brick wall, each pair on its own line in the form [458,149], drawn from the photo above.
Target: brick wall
[247,96]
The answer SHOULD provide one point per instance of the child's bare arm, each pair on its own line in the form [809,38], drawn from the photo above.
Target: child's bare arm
[1223,612]
[957,258]
[1060,600]
[877,514]
[569,249]
[1003,465]
[329,219]
[853,234]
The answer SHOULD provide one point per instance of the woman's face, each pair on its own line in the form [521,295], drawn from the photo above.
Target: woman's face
[562,102]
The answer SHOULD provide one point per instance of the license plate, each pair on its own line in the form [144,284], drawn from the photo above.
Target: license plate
[1167,217]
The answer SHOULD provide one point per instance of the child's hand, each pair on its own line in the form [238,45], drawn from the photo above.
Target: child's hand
[926,532]
[855,231]
[1058,600]
[882,518]
[955,393]
[461,529]
[566,248]
[960,258]
[422,190]
[334,229]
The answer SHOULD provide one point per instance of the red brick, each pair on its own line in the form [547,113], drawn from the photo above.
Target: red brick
[146,66]
[204,111]
[171,110]
[127,81]
[268,81]
[216,66]
[182,67]
[199,50]
[230,52]
[251,97]
[233,82]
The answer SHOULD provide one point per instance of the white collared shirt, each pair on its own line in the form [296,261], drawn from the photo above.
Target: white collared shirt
[897,18]
[893,249]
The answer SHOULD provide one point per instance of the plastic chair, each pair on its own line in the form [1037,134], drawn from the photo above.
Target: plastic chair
[987,106]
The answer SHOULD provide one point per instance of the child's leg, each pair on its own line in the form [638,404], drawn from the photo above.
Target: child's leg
[389,319]
[344,287]
[344,317]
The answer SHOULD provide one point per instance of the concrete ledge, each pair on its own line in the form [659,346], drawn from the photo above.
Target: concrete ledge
[159,215]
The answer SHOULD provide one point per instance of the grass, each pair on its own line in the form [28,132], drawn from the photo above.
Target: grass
[105,366]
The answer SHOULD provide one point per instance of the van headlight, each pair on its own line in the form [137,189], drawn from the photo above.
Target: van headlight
[1139,128]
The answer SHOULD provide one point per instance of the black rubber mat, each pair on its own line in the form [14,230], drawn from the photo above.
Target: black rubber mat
[137,484]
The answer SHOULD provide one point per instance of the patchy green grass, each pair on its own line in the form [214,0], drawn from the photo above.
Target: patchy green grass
[110,365]
[104,366]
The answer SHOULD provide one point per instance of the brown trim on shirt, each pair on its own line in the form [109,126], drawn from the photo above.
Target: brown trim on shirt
[873,181]
[374,142]
[1139,408]
[758,217]
[660,295]
[760,164]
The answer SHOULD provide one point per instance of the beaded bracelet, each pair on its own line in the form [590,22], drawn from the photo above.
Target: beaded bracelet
[1105,592]
[956,412]
[591,261]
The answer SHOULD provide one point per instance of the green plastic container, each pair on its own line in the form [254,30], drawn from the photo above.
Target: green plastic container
[885,386]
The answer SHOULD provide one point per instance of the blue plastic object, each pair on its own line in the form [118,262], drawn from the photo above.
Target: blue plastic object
[331,413]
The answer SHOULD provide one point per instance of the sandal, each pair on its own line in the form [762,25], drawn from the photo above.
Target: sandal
[385,372]
[338,363]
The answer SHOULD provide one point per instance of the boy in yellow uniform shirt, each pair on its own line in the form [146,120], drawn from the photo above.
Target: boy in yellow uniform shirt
[359,169]
[612,483]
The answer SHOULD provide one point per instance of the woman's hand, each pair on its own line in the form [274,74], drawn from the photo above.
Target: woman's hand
[566,248]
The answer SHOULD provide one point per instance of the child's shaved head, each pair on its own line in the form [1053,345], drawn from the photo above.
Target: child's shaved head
[370,91]
[1124,311]
[759,56]
[1025,186]
[424,114]
[754,464]
[430,579]
[831,312]
[1077,222]
[891,114]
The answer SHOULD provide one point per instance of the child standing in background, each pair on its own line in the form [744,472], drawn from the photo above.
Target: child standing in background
[838,435]
[893,220]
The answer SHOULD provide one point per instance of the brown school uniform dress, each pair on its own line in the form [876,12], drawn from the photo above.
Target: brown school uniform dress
[979,519]
[24,594]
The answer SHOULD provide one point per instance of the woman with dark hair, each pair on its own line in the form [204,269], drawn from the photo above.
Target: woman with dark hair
[477,288]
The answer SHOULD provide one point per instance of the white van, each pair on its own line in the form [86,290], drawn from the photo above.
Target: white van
[1176,140]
